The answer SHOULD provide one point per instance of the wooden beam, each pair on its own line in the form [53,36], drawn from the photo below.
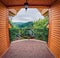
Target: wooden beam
[13,11]
[29,5]
[3,3]
[17,8]
[53,2]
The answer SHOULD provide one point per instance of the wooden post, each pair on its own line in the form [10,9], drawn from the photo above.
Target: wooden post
[4,35]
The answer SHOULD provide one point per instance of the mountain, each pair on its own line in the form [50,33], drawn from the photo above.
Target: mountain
[23,25]
[17,23]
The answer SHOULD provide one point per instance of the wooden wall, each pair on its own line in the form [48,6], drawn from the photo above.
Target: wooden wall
[54,29]
[4,36]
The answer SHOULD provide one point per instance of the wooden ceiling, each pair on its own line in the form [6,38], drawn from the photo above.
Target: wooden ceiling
[31,2]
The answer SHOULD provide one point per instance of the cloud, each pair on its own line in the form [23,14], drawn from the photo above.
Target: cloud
[32,14]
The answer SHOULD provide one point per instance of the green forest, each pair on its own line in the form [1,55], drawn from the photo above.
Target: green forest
[37,29]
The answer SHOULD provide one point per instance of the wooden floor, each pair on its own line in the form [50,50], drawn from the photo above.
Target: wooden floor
[28,49]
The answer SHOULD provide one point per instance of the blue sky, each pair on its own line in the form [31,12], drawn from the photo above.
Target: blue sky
[32,14]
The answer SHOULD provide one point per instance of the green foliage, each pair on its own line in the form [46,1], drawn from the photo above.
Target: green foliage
[24,33]
[22,25]
[13,32]
[40,30]
[41,23]
[37,29]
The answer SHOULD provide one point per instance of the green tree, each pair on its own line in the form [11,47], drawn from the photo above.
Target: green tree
[40,30]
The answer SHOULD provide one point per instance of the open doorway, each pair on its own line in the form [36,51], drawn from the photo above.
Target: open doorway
[30,24]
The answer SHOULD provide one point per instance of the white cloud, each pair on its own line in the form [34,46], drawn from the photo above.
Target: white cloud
[32,14]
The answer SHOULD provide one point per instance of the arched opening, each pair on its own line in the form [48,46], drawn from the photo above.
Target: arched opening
[33,22]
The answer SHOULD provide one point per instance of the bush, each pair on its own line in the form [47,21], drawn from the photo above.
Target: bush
[13,32]
[40,29]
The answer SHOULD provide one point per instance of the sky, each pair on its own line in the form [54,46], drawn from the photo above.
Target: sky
[32,14]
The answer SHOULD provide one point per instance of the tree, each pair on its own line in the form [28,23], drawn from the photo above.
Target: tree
[40,30]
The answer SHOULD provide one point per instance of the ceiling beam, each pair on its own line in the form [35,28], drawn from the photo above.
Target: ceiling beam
[29,5]
[17,8]
[54,2]
[3,3]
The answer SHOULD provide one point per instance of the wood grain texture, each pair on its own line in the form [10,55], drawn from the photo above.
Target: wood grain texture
[31,2]
[54,31]
[4,36]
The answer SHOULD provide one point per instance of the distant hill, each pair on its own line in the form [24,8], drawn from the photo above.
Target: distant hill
[23,25]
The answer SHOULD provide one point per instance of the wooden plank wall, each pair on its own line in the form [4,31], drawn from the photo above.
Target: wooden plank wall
[4,36]
[54,29]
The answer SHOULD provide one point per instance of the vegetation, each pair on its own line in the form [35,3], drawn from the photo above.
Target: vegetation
[37,29]
[13,32]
